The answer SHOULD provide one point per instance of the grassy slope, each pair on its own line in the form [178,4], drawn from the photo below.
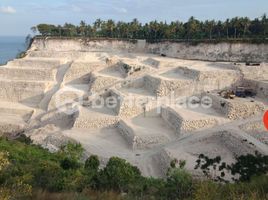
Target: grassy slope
[43,171]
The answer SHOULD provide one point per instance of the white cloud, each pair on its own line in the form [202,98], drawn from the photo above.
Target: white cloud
[121,10]
[7,10]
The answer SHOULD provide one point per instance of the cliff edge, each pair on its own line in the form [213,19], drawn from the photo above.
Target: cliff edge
[206,51]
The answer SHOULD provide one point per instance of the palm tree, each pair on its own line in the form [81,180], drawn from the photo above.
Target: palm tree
[97,26]
[171,30]
[110,27]
[134,28]
[236,25]
[264,22]
[123,30]
[209,25]
[245,23]
[192,27]
[226,26]
[180,30]
[219,28]
[82,28]
[154,27]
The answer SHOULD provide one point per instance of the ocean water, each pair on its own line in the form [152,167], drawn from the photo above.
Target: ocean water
[10,47]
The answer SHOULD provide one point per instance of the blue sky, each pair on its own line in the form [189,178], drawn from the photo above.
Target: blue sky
[17,16]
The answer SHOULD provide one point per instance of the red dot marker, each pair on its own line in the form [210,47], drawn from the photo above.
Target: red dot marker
[265,119]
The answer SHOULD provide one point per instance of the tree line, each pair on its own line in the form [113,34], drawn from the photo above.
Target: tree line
[235,28]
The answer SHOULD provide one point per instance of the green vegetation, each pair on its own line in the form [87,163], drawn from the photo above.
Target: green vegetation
[29,172]
[238,28]
[245,167]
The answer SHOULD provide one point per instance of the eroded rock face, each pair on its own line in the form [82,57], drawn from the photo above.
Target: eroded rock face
[234,52]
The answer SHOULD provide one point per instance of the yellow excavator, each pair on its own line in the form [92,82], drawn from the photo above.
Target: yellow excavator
[227,94]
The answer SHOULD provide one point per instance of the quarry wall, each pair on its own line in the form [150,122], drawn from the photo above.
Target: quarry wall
[223,51]
[234,109]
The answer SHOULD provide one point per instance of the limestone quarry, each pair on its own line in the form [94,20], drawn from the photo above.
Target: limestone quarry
[146,103]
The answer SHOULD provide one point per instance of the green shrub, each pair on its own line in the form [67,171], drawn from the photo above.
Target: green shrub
[92,163]
[245,167]
[117,175]
[179,183]
[72,150]
[69,163]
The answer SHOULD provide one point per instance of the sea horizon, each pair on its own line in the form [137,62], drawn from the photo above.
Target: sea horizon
[10,47]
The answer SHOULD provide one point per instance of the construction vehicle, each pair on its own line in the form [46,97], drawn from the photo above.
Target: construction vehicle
[244,92]
[227,94]
[252,64]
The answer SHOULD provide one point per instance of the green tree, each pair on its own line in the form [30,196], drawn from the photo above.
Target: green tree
[135,28]
[110,28]
[264,23]
[92,163]
[118,175]
[245,23]
[179,184]
[192,27]
[157,30]
[209,26]
[236,26]
[82,30]
[97,27]
[45,29]
[226,27]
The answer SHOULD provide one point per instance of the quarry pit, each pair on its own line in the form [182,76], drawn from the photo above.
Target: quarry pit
[147,103]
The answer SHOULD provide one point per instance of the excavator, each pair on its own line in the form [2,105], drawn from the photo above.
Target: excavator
[227,94]
[241,92]
[244,92]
